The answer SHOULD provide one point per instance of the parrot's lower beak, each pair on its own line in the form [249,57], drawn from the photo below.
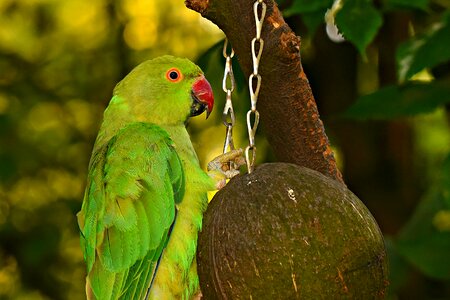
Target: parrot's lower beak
[202,97]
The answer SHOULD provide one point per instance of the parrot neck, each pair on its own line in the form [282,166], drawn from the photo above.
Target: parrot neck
[182,141]
[115,117]
[119,114]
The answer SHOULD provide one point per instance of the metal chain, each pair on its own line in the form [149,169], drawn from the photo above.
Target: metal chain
[228,85]
[254,79]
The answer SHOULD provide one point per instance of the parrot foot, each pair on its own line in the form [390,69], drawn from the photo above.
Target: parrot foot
[226,166]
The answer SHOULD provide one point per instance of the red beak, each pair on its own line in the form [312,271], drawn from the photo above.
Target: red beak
[203,98]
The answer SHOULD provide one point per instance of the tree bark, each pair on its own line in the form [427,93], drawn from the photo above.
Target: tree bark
[286,104]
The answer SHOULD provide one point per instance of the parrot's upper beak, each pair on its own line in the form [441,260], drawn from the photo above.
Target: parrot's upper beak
[202,96]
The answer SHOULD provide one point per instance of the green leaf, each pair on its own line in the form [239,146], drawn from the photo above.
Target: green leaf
[406,4]
[307,6]
[312,12]
[445,179]
[398,267]
[420,242]
[312,20]
[359,21]
[425,51]
[400,101]
[281,2]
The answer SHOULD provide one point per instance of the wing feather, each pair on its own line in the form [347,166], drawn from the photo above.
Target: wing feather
[134,182]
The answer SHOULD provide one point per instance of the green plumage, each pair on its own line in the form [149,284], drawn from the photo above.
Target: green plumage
[145,192]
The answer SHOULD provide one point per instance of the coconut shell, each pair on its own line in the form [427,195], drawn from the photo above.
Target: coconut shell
[288,232]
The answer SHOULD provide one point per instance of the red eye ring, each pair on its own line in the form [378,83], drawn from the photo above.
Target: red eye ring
[174,75]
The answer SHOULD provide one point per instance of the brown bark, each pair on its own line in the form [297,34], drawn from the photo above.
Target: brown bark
[286,104]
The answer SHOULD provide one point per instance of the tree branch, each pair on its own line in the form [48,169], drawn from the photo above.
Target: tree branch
[286,103]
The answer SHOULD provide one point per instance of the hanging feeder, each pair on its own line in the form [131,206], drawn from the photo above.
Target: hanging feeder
[282,231]
[288,232]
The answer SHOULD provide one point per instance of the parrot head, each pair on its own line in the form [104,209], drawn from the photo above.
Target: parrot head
[164,90]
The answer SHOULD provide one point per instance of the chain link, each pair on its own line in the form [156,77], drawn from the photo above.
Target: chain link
[259,19]
[228,86]
[254,84]
[254,92]
[252,128]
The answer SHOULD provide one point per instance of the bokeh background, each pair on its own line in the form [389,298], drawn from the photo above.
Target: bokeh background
[382,98]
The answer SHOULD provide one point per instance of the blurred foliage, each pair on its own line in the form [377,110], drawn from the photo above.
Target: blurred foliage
[425,51]
[396,101]
[312,12]
[408,82]
[359,22]
[425,239]
[59,61]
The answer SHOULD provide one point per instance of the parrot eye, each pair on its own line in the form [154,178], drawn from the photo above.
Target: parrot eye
[174,75]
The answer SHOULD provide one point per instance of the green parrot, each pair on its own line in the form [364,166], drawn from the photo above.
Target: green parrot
[146,192]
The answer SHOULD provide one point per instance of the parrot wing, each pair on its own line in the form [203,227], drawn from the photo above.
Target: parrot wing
[134,182]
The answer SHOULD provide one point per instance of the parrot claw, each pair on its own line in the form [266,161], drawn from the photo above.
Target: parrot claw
[226,166]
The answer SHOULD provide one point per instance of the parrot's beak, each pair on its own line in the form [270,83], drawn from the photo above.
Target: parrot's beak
[202,97]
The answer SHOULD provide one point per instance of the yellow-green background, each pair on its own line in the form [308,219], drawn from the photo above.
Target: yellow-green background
[59,61]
